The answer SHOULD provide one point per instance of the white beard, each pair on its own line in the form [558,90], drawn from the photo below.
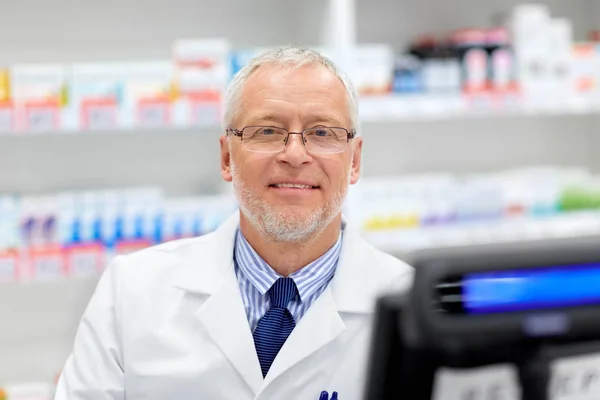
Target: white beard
[286,224]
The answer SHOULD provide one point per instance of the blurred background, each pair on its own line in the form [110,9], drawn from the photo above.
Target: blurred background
[480,123]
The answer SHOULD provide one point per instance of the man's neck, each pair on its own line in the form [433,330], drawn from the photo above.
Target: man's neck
[287,258]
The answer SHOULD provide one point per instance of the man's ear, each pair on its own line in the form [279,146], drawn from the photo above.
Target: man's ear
[356,160]
[225,159]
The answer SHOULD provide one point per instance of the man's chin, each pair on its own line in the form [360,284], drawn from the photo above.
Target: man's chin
[297,214]
[295,207]
[290,216]
[291,223]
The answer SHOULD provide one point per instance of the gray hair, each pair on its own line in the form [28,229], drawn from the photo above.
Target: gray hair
[292,56]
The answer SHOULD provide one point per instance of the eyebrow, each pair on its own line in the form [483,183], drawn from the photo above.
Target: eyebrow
[327,119]
[265,118]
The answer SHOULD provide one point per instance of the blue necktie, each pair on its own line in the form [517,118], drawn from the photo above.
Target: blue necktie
[276,325]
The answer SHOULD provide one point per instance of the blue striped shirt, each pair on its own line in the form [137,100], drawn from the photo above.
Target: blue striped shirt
[256,277]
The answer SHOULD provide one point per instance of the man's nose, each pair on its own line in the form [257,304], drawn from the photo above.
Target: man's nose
[295,152]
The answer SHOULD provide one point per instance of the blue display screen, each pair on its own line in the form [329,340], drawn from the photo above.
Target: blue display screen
[531,289]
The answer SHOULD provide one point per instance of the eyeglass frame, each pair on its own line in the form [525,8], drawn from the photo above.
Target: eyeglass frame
[350,134]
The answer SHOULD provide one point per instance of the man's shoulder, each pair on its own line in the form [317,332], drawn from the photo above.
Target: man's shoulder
[385,271]
[164,256]
[367,273]
[173,247]
[387,262]
[378,265]
[189,263]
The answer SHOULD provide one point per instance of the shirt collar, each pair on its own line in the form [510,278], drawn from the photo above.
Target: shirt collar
[308,279]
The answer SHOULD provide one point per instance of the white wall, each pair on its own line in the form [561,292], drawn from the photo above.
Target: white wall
[75,30]
[183,162]
[477,144]
[595,125]
[38,324]
[398,21]
[595,143]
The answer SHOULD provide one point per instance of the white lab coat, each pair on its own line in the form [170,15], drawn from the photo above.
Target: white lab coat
[169,323]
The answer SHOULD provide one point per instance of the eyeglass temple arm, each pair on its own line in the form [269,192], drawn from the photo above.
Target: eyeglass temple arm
[235,132]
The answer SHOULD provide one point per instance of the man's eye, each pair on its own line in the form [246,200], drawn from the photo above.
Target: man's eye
[321,132]
[267,131]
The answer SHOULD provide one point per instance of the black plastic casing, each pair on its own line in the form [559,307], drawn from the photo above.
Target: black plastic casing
[412,338]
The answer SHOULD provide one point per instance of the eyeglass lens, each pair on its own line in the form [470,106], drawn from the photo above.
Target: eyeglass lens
[317,140]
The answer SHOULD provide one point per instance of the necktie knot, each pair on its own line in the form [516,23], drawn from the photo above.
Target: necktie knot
[282,292]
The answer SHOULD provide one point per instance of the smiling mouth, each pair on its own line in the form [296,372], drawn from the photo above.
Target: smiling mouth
[292,186]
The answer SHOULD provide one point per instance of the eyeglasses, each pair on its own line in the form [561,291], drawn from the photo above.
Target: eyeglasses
[269,139]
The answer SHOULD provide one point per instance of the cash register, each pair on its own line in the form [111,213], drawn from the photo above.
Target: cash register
[525,306]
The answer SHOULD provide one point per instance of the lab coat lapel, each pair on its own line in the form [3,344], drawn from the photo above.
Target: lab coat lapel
[208,270]
[223,316]
[320,325]
[349,292]
[355,288]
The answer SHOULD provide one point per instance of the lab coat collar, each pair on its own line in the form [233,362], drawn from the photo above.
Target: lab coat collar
[352,290]
[354,287]
[207,269]
[210,260]
[210,263]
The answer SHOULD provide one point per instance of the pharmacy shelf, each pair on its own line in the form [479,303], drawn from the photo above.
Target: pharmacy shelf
[385,109]
[514,230]
[389,109]
[431,107]
[213,130]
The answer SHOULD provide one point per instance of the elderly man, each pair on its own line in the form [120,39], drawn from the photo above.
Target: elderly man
[277,303]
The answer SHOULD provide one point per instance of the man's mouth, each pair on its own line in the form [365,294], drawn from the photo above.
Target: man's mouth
[292,186]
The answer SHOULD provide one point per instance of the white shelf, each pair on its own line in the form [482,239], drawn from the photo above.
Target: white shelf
[393,108]
[402,242]
[213,131]
[432,107]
